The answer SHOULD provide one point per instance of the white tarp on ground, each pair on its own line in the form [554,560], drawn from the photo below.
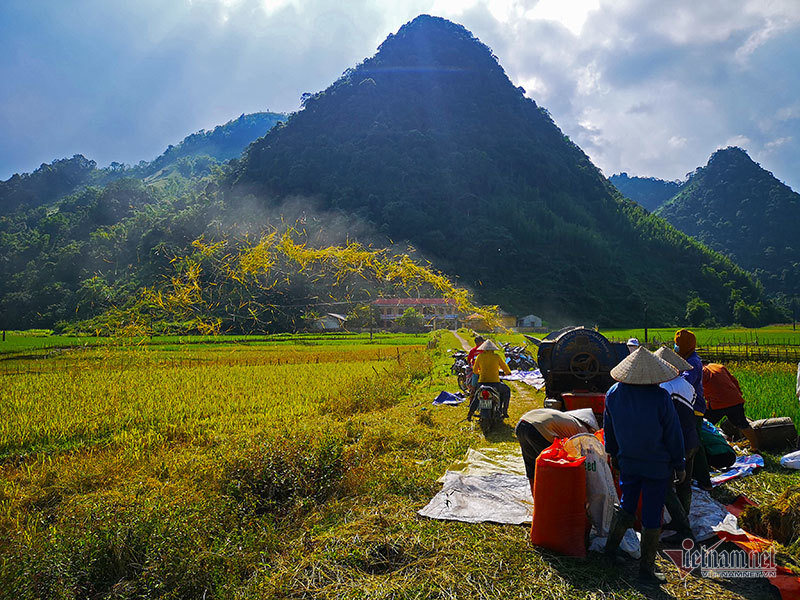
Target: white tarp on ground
[708,516]
[490,486]
[496,498]
[532,378]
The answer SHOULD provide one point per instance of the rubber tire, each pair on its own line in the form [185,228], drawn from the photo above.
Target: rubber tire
[462,382]
[487,420]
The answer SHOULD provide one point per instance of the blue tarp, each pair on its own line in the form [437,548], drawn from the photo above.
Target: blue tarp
[448,398]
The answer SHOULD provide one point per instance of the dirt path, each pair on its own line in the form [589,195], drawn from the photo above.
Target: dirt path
[464,343]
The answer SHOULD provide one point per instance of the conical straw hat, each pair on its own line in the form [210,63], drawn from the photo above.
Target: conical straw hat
[642,367]
[673,358]
[488,345]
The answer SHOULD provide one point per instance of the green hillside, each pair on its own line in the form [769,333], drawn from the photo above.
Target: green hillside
[734,206]
[649,192]
[431,142]
[426,143]
[193,157]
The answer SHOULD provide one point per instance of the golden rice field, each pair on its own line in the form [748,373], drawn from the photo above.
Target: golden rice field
[140,397]
[285,470]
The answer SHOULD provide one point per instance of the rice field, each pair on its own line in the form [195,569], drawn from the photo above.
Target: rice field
[273,468]
[768,389]
[781,335]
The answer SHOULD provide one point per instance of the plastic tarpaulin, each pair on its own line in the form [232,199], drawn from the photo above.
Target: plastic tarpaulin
[787,583]
[532,378]
[488,485]
[496,498]
[449,399]
[488,461]
[791,460]
[744,465]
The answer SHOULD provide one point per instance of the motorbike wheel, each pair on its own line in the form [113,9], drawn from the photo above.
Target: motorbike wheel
[462,382]
[487,420]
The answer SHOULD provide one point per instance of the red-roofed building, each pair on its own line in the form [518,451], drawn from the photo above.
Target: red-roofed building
[443,311]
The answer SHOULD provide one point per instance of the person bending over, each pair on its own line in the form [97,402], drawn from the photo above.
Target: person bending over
[537,429]
[724,399]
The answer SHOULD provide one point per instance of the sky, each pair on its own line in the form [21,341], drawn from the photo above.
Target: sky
[647,87]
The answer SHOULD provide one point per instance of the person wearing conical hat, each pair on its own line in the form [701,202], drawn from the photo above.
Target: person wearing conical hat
[644,439]
[679,497]
[488,365]
[685,345]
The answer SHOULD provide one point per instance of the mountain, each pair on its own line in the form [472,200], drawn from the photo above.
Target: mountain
[47,183]
[646,191]
[431,142]
[736,207]
[221,144]
[192,157]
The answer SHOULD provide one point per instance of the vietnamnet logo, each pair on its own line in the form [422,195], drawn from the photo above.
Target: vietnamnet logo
[714,562]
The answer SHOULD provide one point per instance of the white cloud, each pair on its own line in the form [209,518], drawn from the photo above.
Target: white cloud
[775,144]
[643,86]
[676,141]
[738,140]
[571,15]
[535,88]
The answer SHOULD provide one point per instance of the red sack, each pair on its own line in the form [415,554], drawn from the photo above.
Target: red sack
[559,502]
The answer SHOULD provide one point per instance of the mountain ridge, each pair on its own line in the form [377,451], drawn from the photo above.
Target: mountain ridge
[427,143]
[740,209]
[433,115]
[194,155]
[649,192]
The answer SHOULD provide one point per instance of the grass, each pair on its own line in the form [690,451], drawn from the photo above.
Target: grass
[772,335]
[43,340]
[270,470]
[768,389]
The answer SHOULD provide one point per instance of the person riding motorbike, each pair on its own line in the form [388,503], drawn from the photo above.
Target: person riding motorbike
[488,366]
[473,354]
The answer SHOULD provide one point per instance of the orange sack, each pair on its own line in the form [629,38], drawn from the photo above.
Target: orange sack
[559,502]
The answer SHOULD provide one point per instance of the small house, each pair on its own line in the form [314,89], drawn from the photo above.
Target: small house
[529,322]
[330,322]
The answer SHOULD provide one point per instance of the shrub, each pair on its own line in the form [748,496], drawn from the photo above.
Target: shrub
[275,475]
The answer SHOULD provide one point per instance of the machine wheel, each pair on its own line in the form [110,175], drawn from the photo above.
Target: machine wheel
[462,382]
[487,420]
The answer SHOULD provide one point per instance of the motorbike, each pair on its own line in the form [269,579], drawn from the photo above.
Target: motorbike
[518,359]
[489,408]
[461,370]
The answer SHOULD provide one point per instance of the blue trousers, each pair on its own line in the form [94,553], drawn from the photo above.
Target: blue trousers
[652,491]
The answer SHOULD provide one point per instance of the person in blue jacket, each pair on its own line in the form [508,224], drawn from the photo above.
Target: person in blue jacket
[685,345]
[643,437]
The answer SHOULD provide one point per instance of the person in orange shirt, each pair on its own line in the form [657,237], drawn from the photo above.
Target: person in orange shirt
[724,399]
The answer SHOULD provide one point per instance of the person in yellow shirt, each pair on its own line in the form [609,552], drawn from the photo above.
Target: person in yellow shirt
[488,366]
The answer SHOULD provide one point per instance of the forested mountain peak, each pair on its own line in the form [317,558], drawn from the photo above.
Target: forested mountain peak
[735,206]
[432,143]
[430,41]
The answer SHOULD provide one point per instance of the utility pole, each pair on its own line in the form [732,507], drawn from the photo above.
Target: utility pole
[645,323]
